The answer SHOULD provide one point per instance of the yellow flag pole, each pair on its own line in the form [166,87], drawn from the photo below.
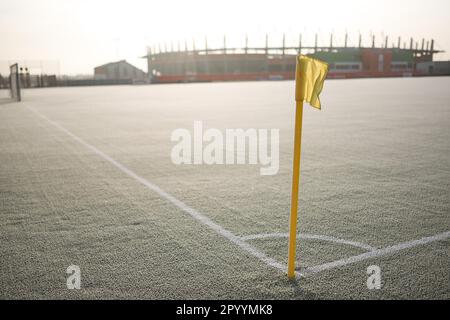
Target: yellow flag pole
[295,186]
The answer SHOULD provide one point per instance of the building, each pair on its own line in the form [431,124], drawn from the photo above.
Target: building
[435,68]
[278,63]
[120,71]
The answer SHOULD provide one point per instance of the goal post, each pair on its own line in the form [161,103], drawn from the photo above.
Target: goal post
[14,82]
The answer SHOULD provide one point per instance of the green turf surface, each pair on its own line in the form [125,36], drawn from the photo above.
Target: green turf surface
[375,170]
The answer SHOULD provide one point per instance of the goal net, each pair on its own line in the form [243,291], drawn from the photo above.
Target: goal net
[14,82]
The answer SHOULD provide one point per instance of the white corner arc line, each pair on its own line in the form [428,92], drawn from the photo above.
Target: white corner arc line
[374,254]
[239,241]
[178,203]
[310,237]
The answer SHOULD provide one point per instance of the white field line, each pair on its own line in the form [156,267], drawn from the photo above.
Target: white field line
[374,254]
[310,237]
[239,241]
[178,203]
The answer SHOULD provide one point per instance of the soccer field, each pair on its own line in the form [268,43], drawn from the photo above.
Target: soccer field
[86,179]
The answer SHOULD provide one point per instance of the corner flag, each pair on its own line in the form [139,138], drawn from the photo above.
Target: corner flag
[309,78]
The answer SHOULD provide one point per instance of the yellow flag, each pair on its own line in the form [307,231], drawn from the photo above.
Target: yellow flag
[309,78]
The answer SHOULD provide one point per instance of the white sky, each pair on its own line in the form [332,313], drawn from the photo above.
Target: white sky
[80,34]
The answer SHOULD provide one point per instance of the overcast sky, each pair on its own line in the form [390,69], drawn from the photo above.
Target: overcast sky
[74,36]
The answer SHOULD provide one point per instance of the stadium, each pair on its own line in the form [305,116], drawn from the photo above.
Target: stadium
[278,63]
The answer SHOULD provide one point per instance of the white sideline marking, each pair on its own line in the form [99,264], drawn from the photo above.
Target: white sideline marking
[310,237]
[178,203]
[239,241]
[374,254]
